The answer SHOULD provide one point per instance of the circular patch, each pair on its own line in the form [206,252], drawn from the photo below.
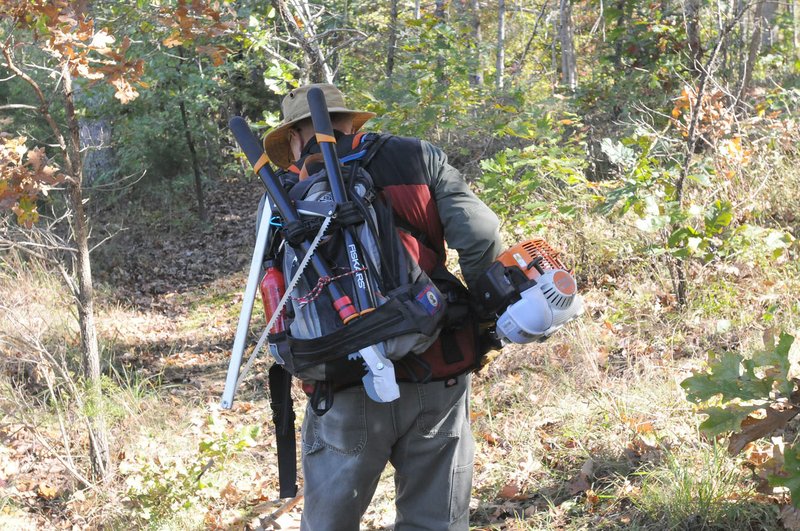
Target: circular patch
[432,299]
[564,282]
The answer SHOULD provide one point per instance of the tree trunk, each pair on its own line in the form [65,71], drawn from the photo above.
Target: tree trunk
[440,14]
[621,22]
[554,55]
[691,11]
[519,64]
[95,134]
[752,55]
[476,78]
[198,184]
[98,437]
[769,30]
[393,13]
[500,59]
[569,69]
[796,27]
[95,140]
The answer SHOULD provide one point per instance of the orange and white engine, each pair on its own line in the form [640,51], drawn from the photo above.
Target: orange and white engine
[530,291]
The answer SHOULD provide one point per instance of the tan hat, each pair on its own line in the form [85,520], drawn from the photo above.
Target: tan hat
[295,108]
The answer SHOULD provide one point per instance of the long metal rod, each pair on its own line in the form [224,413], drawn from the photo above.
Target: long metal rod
[239,341]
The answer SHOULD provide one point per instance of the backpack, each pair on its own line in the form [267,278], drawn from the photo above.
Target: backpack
[410,310]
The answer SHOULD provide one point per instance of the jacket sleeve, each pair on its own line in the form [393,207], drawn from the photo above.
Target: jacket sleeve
[470,227]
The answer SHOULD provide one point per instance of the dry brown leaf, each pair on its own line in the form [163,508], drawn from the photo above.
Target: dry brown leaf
[490,438]
[756,455]
[511,491]
[754,428]
[592,498]
[231,494]
[580,483]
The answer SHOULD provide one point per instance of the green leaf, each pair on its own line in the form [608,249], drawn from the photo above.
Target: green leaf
[722,420]
[778,359]
[701,179]
[618,153]
[730,376]
[791,479]
[718,217]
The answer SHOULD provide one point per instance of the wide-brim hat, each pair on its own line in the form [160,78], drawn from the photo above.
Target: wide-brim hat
[294,108]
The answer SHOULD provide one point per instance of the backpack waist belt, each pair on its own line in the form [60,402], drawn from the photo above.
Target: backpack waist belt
[407,310]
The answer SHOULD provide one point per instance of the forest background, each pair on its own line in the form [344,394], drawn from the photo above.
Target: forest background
[656,144]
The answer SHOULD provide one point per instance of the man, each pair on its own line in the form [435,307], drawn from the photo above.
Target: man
[425,434]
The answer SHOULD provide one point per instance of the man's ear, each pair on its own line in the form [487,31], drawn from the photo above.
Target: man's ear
[295,143]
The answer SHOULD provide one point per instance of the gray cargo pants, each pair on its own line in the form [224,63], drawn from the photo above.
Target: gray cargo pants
[426,436]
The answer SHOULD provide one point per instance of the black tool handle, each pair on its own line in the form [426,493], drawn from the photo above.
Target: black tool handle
[327,143]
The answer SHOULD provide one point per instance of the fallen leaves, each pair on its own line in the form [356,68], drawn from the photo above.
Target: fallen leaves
[512,491]
[582,481]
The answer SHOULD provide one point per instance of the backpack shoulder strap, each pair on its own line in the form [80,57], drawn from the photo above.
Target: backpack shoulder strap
[375,142]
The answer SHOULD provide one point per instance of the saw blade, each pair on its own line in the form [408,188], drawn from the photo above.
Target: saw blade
[289,288]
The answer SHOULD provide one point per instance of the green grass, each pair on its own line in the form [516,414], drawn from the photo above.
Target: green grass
[706,489]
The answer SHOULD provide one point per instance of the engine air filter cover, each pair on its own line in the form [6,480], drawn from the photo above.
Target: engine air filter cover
[558,287]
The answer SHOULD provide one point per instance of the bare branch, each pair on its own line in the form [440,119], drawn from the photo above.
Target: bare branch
[276,55]
[11,106]
[334,31]
[104,240]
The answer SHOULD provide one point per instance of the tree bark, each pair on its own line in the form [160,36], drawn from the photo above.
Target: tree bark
[569,69]
[752,55]
[691,11]
[393,15]
[476,78]
[100,455]
[500,58]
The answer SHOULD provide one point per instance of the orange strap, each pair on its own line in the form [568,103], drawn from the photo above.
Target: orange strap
[326,138]
[262,161]
[316,157]
[357,139]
